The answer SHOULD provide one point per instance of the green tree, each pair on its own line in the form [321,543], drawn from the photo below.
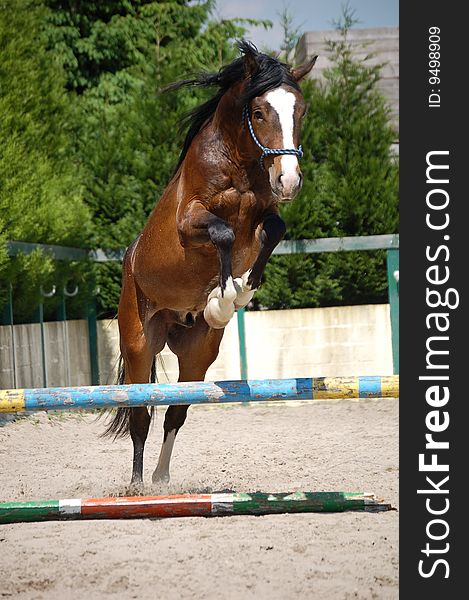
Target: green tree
[40,188]
[351,188]
[291,33]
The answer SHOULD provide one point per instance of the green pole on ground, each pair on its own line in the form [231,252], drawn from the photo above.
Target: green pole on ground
[189,505]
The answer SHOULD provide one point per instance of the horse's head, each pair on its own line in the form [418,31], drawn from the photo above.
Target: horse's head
[274,118]
[266,92]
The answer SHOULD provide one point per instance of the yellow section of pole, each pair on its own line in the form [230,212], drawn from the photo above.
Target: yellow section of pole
[326,388]
[11,401]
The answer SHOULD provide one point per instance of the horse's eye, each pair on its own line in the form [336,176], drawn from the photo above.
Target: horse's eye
[257,115]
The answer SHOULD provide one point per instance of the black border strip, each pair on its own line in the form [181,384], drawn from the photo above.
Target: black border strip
[425,127]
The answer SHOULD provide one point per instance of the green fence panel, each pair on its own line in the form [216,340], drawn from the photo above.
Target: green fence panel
[393,291]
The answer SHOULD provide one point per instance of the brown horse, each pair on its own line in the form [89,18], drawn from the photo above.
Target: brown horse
[204,248]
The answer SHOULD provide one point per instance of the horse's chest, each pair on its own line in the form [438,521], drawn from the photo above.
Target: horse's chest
[242,211]
[239,208]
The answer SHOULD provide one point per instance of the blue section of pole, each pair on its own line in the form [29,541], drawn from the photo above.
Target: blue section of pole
[165,394]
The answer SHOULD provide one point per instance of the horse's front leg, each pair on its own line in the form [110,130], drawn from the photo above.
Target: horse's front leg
[198,226]
[273,230]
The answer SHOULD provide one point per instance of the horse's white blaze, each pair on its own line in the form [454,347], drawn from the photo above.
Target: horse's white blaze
[162,469]
[283,103]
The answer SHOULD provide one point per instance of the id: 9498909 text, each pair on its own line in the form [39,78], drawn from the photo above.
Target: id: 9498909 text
[434,54]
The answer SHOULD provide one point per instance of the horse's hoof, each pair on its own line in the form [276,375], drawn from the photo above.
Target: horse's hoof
[160,478]
[135,487]
[244,293]
[216,318]
[220,306]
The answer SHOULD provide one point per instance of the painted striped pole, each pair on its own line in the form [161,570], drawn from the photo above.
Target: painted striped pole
[201,392]
[189,505]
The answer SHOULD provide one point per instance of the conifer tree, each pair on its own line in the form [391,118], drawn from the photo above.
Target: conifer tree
[40,191]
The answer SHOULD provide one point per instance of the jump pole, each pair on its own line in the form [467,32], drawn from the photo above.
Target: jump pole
[201,392]
[189,505]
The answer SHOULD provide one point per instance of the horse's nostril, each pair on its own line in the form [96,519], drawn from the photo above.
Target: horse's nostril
[289,180]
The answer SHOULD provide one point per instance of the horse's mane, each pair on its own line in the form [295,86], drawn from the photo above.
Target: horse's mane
[269,74]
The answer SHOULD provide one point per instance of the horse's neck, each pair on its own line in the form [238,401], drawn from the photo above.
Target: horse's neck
[238,162]
[228,120]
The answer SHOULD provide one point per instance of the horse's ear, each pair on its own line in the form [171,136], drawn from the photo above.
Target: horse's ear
[250,64]
[300,72]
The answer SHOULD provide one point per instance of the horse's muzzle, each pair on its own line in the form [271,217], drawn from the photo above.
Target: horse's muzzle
[287,186]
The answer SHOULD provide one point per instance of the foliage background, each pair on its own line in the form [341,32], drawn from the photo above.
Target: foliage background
[88,142]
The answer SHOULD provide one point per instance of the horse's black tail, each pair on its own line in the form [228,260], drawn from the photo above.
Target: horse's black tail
[120,424]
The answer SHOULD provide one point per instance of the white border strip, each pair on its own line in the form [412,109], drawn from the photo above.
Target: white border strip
[70,506]
[222,504]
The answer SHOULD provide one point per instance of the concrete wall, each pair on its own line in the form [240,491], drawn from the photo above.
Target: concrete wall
[382,42]
[347,340]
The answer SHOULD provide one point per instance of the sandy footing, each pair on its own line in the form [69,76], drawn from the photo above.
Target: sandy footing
[331,446]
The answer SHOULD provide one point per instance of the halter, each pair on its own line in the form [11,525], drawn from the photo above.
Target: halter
[266,151]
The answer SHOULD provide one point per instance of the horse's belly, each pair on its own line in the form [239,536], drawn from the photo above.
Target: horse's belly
[177,280]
